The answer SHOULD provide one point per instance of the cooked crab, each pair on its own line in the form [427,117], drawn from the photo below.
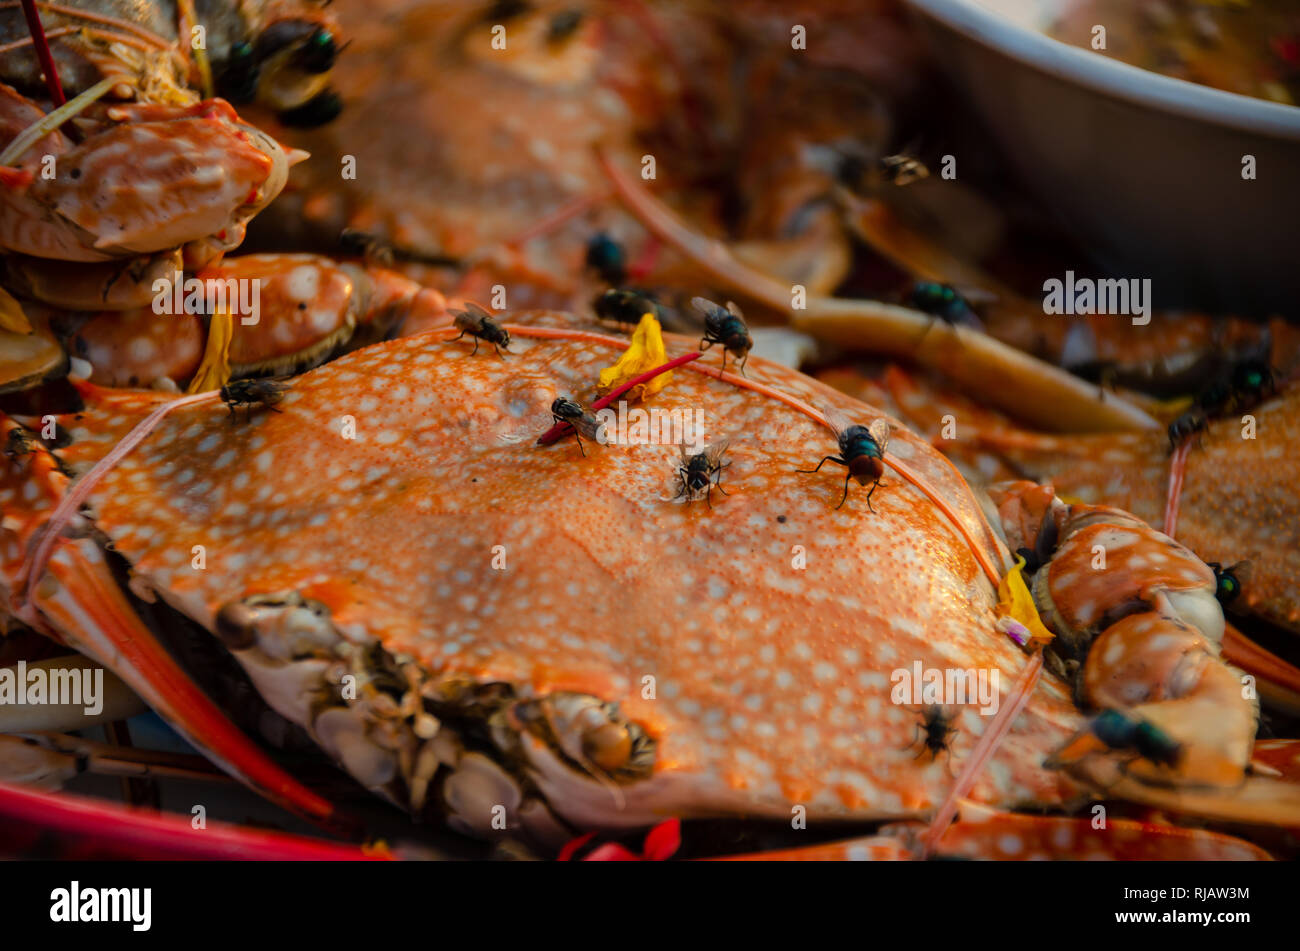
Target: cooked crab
[530,640]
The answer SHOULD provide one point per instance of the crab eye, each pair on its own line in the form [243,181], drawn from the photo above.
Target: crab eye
[285,625]
[590,731]
[608,745]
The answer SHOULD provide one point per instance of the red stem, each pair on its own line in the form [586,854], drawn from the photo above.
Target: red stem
[43,53]
[560,430]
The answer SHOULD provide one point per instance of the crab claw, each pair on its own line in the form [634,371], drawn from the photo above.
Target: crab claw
[79,594]
[1198,727]
[293,156]
[1135,613]
[1166,673]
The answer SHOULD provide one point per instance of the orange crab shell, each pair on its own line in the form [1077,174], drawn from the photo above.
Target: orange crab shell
[289,311]
[1132,666]
[157,177]
[17,113]
[1136,564]
[771,682]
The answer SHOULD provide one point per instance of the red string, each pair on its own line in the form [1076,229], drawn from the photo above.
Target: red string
[560,430]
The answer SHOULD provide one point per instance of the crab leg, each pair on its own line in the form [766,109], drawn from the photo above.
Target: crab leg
[28,41]
[1014,381]
[1279,682]
[47,759]
[1148,627]
[101,831]
[1177,472]
[875,848]
[1280,758]
[79,594]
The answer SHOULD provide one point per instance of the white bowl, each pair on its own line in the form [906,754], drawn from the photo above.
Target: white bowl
[1145,170]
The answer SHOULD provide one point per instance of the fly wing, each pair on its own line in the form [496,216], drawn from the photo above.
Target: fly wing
[714,452]
[840,422]
[881,429]
[464,320]
[1242,570]
[707,309]
[590,426]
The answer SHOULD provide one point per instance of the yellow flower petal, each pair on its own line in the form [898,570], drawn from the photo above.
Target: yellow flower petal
[645,353]
[214,371]
[1015,602]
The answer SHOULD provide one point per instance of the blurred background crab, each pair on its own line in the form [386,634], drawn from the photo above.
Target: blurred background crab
[461,168]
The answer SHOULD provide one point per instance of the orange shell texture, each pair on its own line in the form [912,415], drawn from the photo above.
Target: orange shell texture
[149,186]
[772,683]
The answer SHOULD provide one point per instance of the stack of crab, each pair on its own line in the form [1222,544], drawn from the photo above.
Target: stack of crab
[540,641]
